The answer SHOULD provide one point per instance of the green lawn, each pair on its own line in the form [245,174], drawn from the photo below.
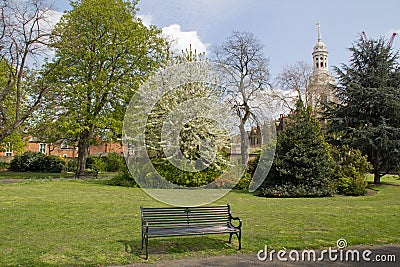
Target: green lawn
[33,175]
[64,223]
[45,175]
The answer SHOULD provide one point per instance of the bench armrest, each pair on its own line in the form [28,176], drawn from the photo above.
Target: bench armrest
[237,219]
[145,225]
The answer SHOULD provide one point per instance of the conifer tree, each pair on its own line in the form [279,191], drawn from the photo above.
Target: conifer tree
[302,164]
[368,115]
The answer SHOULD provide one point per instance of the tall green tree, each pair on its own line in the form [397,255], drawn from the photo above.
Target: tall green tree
[103,52]
[302,165]
[368,115]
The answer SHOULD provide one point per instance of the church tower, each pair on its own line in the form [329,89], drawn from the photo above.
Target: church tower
[320,54]
[319,90]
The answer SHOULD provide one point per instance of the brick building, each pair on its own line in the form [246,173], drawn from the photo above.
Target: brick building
[61,149]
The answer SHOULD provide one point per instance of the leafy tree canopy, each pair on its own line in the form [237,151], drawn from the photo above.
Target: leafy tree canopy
[103,52]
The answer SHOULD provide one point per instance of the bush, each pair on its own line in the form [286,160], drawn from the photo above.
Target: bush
[95,163]
[301,190]
[114,162]
[4,165]
[111,163]
[252,165]
[37,162]
[164,168]
[244,182]
[186,178]
[350,172]
[123,178]
[71,165]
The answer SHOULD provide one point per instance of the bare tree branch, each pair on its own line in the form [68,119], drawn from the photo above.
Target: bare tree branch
[247,74]
[23,39]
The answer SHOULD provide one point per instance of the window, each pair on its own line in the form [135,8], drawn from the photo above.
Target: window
[64,145]
[9,150]
[42,148]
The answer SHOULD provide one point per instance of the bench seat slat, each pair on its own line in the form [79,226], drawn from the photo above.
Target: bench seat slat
[179,231]
[182,223]
[188,218]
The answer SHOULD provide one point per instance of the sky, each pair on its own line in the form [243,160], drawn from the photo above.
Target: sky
[286,28]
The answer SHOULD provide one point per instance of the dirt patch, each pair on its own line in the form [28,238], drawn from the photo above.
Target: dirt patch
[12,181]
[371,192]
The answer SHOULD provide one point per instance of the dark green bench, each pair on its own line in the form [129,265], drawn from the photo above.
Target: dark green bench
[185,221]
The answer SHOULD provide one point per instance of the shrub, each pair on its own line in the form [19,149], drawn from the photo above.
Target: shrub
[123,178]
[252,165]
[350,172]
[186,178]
[22,163]
[71,165]
[95,163]
[37,162]
[302,190]
[244,182]
[4,165]
[164,168]
[111,163]
[114,162]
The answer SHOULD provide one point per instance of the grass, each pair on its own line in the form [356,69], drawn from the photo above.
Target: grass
[33,175]
[71,223]
[45,175]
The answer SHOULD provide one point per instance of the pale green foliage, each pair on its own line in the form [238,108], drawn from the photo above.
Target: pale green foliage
[102,54]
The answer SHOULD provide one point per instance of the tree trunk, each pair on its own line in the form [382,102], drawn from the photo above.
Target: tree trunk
[244,144]
[83,152]
[377,178]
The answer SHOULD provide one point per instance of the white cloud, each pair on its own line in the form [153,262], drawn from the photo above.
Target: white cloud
[181,40]
[52,17]
[146,19]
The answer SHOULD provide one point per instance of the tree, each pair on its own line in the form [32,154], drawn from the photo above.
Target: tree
[102,54]
[302,165]
[295,78]
[176,121]
[24,31]
[247,75]
[368,114]
[195,132]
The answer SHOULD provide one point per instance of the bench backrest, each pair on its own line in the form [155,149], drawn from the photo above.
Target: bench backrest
[175,216]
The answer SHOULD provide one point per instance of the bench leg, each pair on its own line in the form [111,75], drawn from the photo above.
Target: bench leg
[239,236]
[142,240]
[230,237]
[147,243]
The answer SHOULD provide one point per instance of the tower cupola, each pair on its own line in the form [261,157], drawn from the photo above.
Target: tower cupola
[320,54]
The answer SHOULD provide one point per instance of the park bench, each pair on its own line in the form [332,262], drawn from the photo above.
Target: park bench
[186,221]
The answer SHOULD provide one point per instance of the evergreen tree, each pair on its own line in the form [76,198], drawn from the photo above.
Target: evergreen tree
[302,164]
[368,115]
